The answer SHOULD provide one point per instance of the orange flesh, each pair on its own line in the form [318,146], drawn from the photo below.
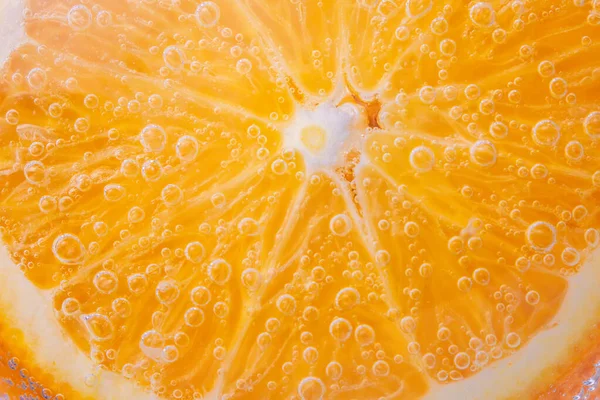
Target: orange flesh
[147,188]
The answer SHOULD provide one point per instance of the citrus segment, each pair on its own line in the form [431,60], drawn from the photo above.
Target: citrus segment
[297,199]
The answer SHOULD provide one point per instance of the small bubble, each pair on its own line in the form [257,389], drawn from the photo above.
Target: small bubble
[68,249]
[248,227]
[219,271]
[340,225]
[422,159]
[194,317]
[208,14]
[174,58]
[311,388]
[200,296]
[114,192]
[152,170]
[187,148]
[418,8]
[99,326]
[167,291]
[483,153]
[79,17]
[153,138]
[106,282]
[36,78]
[171,195]
[286,304]
[340,329]
[347,298]
[251,279]
[194,252]
[482,14]
[591,125]
[35,172]
[546,133]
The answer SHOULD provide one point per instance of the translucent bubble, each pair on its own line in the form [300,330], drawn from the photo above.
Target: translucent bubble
[138,283]
[279,167]
[380,368]
[170,353]
[311,388]
[200,296]
[12,117]
[35,172]
[174,58]
[482,14]
[513,340]
[248,227]
[591,125]
[122,307]
[251,279]
[68,249]
[194,317]
[427,94]
[104,18]
[286,304]
[532,297]
[152,170]
[462,360]
[558,88]
[207,14]
[340,329]
[194,252]
[36,78]
[187,148]
[114,192]
[151,344]
[472,92]
[483,153]
[448,47]
[364,334]
[347,298]
[402,33]
[106,282]
[218,200]
[264,340]
[171,195]
[418,8]
[570,256]
[153,138]
[136,215]
[81,125]
[546,133]
[422,159]
[79,17]
[541,236]
[439,26]
[539,171]
[310,355]
[167,291]
[411,229]
[546,69]
[408,324]
[219,271]
[334,370]
[592,237]
[481,276]
[70,306]
[129,168]
[243,66]
[98,326]
[340,225]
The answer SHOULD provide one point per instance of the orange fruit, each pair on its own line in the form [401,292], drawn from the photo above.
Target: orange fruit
[300,199]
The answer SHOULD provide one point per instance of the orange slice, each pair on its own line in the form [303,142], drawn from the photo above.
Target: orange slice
[300,199]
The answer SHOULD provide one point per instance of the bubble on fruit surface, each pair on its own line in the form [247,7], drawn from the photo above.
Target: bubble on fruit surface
[251,279]
[152,170]
[171,195]
[79,17]
[173,57]
[137,283]
[513,340]
[219,271]
[347,298]
[364,334]
[187,148]
[200,296]
[194,252]
[194,317]
[286,304]
[106,282]
[334,370]
[37,79]
[248,227]
[483,153]
[482,14]
[570,256]
[311,388]
[541,236]
[340,225]
[462,360]
[167,291]
[98,326]
[153,138]
[422,158]
[418,8]
[340,329]
[546,133]
[70,306]
[35,172]
[208,14]
[591,125]
[68,249]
